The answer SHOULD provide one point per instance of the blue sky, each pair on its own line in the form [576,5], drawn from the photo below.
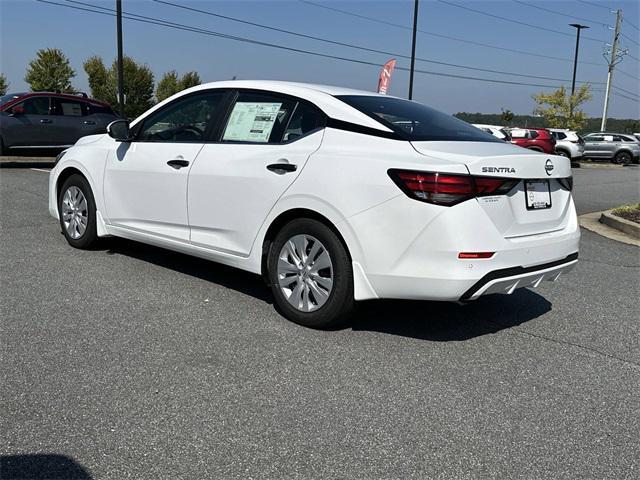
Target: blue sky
[27,25]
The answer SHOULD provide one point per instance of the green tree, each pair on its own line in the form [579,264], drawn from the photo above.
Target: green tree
[170,83]
[50,71]
[138,84]
[506,116]
[4,85]
[98,78]
[560,109]
[190,79]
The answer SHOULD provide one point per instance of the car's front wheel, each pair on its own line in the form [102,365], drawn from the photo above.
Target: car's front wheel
[310,274]
[77,211]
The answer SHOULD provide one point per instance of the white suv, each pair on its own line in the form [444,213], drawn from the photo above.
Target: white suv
[568,143]
[495,130]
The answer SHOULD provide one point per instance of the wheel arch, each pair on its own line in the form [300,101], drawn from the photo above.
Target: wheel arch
[65,174]
[285,217]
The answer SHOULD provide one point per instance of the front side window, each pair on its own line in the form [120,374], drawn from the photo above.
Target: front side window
[258,118]
[519,133]
[594,138]
[414,121]
[34,106]
[184,120]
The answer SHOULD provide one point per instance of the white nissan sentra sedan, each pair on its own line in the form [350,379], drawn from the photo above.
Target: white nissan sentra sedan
[333,195]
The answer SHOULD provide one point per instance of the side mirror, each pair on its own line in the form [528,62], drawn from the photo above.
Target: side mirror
[17,110]
[119,130]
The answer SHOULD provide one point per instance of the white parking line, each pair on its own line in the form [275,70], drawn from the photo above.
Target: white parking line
[40,170]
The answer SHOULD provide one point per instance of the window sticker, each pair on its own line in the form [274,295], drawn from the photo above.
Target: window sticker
[252,121]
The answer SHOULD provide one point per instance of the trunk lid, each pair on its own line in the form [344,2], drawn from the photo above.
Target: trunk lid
[510,213]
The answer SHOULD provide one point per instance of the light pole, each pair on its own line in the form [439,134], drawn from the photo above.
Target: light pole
[578,27]
[413,48]
[120,62]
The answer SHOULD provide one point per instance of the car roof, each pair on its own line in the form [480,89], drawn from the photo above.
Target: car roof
[323,96]
[22,96]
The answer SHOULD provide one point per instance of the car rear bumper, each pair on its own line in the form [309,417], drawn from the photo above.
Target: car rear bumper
[508,279]
[406,255]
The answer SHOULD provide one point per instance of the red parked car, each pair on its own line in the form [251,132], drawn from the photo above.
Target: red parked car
[539,139]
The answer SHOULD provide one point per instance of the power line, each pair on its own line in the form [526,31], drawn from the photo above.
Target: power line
[358,47]
[177,26]
[595,5]
[538,7]
[630,39]
[628,74]
[631,25]
[448,37]
[628,98]
[518,22]
[626,91]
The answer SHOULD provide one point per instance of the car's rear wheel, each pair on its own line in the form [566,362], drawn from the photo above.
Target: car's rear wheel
[310,274]
[77,211]
[563,153]
[623,158]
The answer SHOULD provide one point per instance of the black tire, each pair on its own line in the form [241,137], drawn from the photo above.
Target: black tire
[340,301]
[623,158]
[563,153]
[89,236]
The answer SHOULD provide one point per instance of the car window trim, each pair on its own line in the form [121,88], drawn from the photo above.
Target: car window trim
[54,104]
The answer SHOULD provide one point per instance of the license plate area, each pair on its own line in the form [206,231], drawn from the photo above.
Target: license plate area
[537,194]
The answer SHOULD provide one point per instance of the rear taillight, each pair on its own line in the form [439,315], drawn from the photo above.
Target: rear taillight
[566,183]
[446,189]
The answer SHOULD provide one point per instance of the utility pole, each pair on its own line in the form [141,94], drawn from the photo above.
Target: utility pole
[413,48]
[615,58]
[120,61]
[578,27]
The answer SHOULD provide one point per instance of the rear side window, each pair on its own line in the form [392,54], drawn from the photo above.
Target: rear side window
[184,120]
[533,134]
[305,119]
[69,108]
[560,135]
[594,138]
[93,109]
[414,121]
[258,118]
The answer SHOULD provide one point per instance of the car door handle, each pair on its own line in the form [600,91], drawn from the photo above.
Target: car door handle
[282,168]
[89,122]
[45,120]
[178,163]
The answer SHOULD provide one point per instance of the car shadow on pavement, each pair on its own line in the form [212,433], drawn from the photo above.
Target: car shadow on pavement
[229,277]
[40,467]
[435,321]
[446,321]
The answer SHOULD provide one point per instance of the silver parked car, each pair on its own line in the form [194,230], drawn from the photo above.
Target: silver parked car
[617,147]
[568,143]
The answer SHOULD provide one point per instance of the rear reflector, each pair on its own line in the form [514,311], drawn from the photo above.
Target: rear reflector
[467,255]
[446,189]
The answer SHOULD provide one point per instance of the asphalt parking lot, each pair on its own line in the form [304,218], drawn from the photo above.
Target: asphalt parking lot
[134,362]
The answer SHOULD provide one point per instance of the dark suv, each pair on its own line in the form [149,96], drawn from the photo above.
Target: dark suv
[45,120]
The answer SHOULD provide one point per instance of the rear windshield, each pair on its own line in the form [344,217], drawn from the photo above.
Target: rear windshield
[9,96]
[416,122]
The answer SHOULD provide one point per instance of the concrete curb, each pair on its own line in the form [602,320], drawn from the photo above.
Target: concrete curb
[26,162]
[619,223]
[591,221]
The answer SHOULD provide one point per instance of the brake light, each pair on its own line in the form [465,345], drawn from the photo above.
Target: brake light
[566,183]
[447,189]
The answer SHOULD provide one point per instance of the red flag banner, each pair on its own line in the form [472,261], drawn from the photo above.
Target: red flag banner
[385,76]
